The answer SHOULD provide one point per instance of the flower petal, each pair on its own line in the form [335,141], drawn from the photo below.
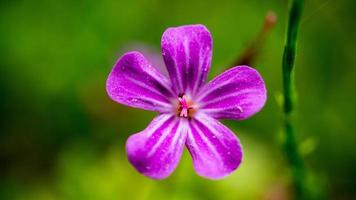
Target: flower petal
[156,151]
[134,82]
[215,150]
[238,93]
[187,52]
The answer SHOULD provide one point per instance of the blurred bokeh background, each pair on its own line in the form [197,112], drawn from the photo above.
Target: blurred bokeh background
[61,137]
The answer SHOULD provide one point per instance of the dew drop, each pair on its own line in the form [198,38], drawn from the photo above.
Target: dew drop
[181,141]
[240,109]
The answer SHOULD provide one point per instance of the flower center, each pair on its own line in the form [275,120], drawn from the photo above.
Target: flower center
[185,107]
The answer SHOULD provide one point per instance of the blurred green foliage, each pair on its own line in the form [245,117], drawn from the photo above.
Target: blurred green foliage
[63,138]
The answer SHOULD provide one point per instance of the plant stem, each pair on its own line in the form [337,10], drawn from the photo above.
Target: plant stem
[290,143]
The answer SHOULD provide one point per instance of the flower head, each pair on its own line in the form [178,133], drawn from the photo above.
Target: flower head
[188,107]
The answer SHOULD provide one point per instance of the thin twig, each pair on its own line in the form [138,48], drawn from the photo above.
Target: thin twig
[253,50]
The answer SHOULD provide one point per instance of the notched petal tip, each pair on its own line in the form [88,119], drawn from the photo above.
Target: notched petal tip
[123,60]
[191,27]
[139,160]
[261,83]
[155,152]
[215,150]
[187,52]
[237,93]
[134,82]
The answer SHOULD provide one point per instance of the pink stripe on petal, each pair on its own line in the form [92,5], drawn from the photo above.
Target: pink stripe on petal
[215,150]
[187,52]
[134,82]
[155,152]
[238,93]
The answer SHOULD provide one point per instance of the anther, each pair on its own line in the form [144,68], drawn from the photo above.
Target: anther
[184,106]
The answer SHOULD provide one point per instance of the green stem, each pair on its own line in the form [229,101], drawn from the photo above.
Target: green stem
[290,144]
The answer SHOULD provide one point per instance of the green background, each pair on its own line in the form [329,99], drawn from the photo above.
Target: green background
[63,138]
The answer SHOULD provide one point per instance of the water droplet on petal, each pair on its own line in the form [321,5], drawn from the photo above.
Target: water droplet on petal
[240,109]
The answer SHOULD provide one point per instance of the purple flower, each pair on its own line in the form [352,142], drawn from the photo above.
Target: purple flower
[188,107]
